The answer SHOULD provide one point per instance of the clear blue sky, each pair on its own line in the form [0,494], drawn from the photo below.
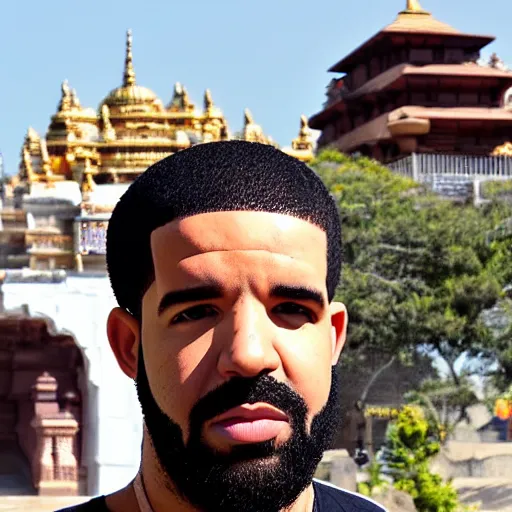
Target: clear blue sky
[268,55]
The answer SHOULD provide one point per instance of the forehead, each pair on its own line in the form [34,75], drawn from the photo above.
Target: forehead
[285,238]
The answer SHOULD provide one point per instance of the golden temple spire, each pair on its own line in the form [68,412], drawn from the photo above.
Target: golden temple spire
[75,102]
[304,141]
[208,102]
[32,135]
[304,128]
[65,99]
[178,89]
[414,7]
[248,119]
[185,96]
[129,72]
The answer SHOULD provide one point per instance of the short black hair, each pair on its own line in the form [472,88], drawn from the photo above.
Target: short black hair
[213,177]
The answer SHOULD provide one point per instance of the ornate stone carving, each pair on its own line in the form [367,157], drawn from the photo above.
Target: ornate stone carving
[252,132]
[108,133]
[54,465]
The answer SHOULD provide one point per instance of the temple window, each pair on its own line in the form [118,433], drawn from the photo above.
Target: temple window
[468,99]
[454,56]
[421,55]
[448,99]
[418,98]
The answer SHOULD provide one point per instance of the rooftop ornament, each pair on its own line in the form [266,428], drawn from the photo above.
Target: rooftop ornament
[414,7]
[129,72]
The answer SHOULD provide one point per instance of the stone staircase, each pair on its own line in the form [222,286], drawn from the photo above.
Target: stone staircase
[492,493]
[14,471]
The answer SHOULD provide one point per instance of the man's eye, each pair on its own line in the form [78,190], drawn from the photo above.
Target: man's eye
[194,314]
[290,308]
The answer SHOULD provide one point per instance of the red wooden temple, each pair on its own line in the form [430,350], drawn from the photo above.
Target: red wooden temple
[417,87]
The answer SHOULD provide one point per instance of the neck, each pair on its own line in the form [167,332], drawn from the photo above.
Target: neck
[160,492]
[163,497]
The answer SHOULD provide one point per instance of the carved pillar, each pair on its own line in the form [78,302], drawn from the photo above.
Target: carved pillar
[54,466]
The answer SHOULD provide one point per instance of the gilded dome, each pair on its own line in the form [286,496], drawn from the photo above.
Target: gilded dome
[130,94]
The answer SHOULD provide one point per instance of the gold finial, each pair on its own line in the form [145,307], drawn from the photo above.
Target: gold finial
[224,131]
[32,135]
[413,6]
[252,132]
[248,119]
[304,128]
[65,99]
[185,96]
[45,157]
[208,102]
[129,72]
[108,133]
[75,102]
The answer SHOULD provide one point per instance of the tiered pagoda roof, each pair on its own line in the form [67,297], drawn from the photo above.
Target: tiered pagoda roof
[416,66]
[413,20]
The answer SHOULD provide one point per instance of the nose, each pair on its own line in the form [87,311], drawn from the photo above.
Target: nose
[247,339]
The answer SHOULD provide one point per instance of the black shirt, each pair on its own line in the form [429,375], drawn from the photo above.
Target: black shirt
[327,499]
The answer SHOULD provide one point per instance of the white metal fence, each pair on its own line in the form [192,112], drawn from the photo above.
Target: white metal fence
[419,166]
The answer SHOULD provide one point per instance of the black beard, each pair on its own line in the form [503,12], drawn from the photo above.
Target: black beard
[250,478]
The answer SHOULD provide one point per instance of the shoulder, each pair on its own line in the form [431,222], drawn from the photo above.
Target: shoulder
[95,505]
[329,498]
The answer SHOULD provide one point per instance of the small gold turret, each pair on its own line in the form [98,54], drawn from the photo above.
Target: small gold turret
[208,102]
[252,132]
[414,7]
[224,131]
[129,72]
[180,101]
[75,102]
[45,159]
[32,140]
[304,141]
[186,99]
[65,99]
[302,146]
[108,133]
[26,168]
[248,119]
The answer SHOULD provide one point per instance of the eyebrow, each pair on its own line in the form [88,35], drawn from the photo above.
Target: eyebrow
[298,293]
[196,294]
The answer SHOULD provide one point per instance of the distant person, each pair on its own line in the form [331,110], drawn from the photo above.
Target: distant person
[224,259]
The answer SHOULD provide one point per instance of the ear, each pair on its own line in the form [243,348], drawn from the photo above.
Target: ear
[339,322]
[123,331]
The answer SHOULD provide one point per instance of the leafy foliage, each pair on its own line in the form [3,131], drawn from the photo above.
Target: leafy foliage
[409,447]
[496,189]
[419,271]
[375,481]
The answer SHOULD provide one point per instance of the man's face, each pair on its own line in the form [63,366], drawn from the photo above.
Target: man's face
[238,342]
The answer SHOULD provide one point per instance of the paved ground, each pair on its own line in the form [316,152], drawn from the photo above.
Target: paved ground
[492,493]
[36,503]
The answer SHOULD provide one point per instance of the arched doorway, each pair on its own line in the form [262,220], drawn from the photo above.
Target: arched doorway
[41,396]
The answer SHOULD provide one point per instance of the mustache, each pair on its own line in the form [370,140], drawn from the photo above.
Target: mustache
[249,390]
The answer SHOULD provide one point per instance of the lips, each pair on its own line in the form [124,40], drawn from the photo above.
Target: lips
[249,423]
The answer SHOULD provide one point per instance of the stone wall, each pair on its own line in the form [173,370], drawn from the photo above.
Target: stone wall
[79,305]
[474,460]
[338,468]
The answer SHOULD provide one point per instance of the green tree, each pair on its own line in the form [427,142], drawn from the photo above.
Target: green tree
[419,271]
